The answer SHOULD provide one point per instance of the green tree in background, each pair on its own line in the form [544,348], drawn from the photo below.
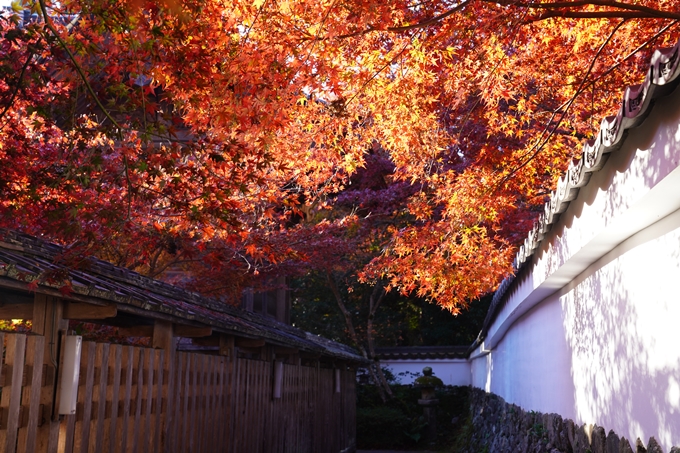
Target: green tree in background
[400,321]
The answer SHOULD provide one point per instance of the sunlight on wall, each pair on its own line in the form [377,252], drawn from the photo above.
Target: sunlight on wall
[621,324]
[590,332]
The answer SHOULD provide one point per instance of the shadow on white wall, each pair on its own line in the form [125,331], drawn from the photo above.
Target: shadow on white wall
[621,326]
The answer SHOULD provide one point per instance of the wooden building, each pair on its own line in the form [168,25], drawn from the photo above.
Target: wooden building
[243,383]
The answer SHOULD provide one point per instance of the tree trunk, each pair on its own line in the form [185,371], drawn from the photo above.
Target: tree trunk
[374,302]
[378,377]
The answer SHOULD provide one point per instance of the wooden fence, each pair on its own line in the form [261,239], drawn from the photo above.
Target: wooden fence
[133,399]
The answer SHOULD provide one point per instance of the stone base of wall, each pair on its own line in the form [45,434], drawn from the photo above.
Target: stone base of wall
[499,427]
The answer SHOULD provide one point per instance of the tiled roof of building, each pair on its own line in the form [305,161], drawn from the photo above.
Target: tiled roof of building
[422,352]
[24,258]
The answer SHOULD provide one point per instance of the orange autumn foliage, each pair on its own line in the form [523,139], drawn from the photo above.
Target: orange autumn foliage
[241,138]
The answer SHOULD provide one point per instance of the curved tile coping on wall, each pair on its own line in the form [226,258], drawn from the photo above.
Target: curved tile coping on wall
[662,77]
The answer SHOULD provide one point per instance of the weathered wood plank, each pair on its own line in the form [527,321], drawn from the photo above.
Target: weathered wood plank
[161,395]
[113,398]
[136,331]
[10,402]
[210,431]
[84,406]
[182,330]
[222,419]
[193,400]
[16,311]
[199,412]
[66,433]
[47,322]
[250,342]
[31,394]
[162,335]
[236,396]
[79,310]
[138,393]
[147,434]
[185,414]
[98,398]
[128,365]
[170,393]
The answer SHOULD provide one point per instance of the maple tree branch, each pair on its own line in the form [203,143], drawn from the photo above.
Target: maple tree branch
[540,144]
[15,91]
[631,12]
[79,69]
[632,54]
[432,20]
[385,66]
[613,4]
[422,24]
[602,15]
[517,26]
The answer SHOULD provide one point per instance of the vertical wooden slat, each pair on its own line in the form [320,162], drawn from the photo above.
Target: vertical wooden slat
[138,393]
[213,421]
[245,388]
[128,364]
[235,396]
[260,406]
[174,387]
[31,398]
[182,425]
[184,405]
[201,415]
[208,415]
[205,403]
[251,410]
[99,397]
[47,321]
[264,382]
[147,434]
[84,406]
[193,403]
[228,399]
[207,411]
[217,424]
[271,423]
[113,397]
[270,446]
[10,402]
[159,389]
[189,395]
[168,394]
[222,403]
[69,426]
[197,388]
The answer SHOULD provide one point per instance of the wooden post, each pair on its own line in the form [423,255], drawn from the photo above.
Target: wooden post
[48,322]
[227,346]
[163,337]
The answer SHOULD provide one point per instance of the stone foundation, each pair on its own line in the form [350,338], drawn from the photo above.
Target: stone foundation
[499,427]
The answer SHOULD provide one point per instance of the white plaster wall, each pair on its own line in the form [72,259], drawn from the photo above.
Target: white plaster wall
[592,331]
[637,187]
[450,371]
[621,325]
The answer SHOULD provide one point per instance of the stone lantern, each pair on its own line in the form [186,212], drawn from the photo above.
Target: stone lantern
[427,384]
